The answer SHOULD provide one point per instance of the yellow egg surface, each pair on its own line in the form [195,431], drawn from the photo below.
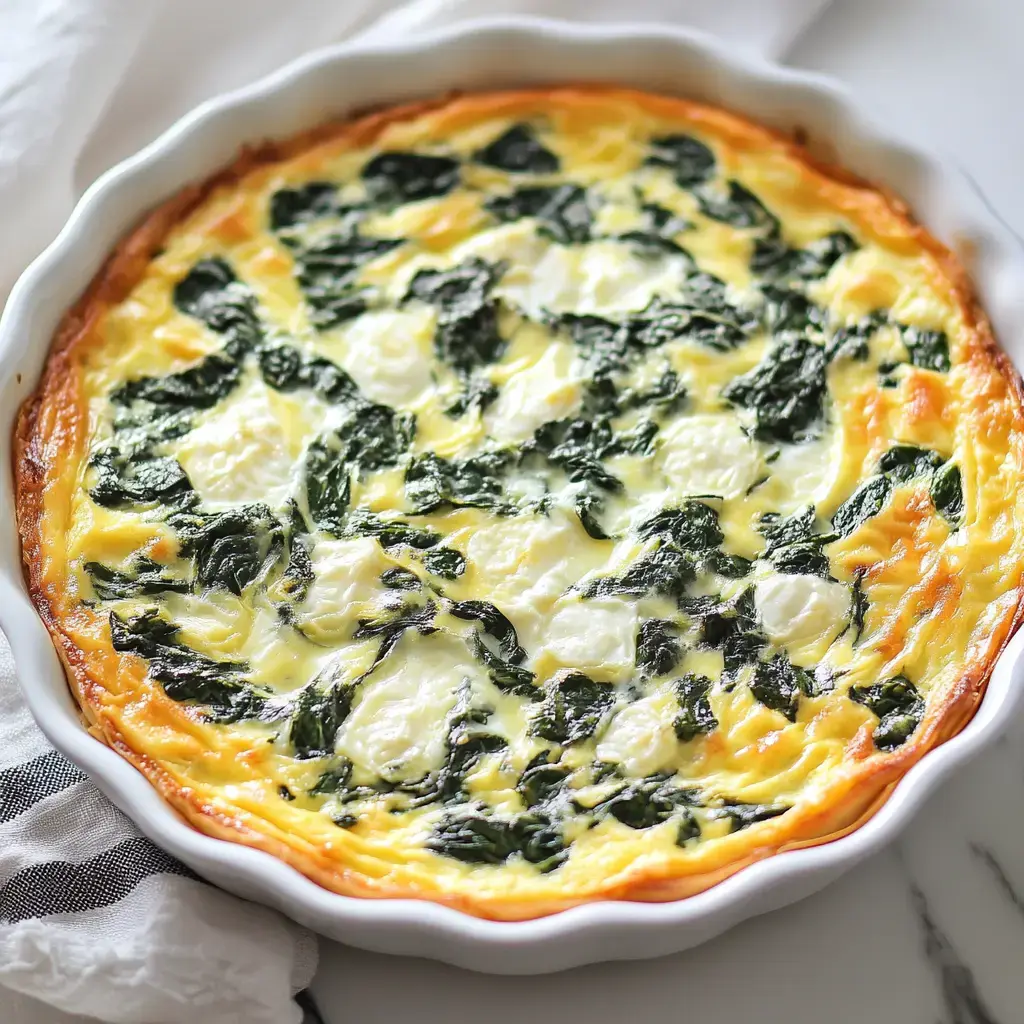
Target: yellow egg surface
[524,499]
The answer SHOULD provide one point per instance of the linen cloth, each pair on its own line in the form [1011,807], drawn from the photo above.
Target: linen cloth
[94,919]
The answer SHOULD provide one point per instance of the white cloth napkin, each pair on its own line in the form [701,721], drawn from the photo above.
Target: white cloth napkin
[94,919]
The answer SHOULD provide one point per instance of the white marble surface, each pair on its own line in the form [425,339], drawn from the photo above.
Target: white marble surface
[931,930]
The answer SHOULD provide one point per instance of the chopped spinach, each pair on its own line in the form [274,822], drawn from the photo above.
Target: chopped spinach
[900,464]
[541,780]
[578,446]
[728,626]
[333,779]
[778,684]
[285,368]
[790,313]
[651,245]
[327,484]
[947,493]
[518,150]
[142,578]
[859,609]
[664,572]
[852,342]
[651,801]
[506,675]
[692,526]
[399,578]
[433,483]
[483,838]
[185,674]
[698,318]
[123,481]
[467,334]
[477,393]
[785,391]
[291,206]
[776,261]
[394,178]
[927,349]
[690,160]
[390,625]
[234,549]
[572,708]
[199,387]
[658,649]
[211,292]
[695,716]
[326,269]
[898,706]
[447,563]
[564,211]
[793,545]
[742,815]
[587,507]
[390,533]
[732,567]
[604,343]
[904,462]
[495,624]
[868,500]
[316,717]
[373,437]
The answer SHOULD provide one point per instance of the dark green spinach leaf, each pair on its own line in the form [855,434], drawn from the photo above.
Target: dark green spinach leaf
[691,162]
[518,151]
[572,708]
[564,212]
[785,391]
[658,649]
[898,706]
[695,716]
[394,178]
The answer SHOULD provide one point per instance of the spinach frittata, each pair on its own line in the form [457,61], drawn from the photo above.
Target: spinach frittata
[527,498]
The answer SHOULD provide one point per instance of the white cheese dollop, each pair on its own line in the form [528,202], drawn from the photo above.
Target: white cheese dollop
[603,277]
[800,608]
[347,573]
[398,727]
[240,452]
[593,635]
[548,390]
[709,454]
[388,353]
[640,738]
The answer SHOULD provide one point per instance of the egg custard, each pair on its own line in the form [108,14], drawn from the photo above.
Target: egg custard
[524,499]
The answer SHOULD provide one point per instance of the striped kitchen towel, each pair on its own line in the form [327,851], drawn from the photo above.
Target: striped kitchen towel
[106,924]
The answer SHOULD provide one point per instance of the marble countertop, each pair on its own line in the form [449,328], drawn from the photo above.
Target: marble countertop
[932,929]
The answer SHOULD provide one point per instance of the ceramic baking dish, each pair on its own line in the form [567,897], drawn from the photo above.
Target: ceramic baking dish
[484,55]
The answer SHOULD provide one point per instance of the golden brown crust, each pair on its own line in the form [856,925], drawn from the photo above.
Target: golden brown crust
[49,437]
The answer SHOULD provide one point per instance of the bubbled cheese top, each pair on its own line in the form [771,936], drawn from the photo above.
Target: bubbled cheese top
[518,487]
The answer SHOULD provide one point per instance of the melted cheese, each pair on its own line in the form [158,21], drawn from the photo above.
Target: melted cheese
[641,738]
[346,583]
[396,730]
[798,608]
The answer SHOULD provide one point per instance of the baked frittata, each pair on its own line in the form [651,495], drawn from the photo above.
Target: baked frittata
[523,499]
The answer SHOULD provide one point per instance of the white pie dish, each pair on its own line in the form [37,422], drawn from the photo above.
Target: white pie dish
[486,54]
